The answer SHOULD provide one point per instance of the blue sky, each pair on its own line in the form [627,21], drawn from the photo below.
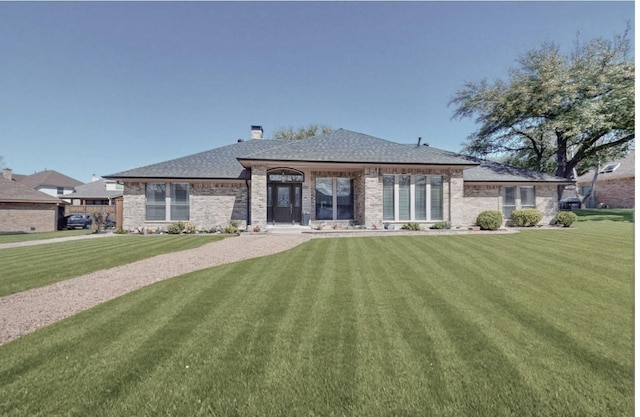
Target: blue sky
[96,88]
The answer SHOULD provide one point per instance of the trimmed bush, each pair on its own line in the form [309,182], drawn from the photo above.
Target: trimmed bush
[526,217]
[411,226]
[489,220]
[189,228]
[440,225]
[566,218]
[175,228]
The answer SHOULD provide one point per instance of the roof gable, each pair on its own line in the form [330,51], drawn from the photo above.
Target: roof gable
[49,178]
[14,192]
[344,146]
[94,190]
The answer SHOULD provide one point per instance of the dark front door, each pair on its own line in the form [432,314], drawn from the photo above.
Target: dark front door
[286,202]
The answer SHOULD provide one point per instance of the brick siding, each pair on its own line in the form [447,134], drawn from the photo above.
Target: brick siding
[28,217]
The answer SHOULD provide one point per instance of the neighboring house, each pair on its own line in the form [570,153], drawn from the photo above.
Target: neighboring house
[49,182]
[615,185]
[98,192]
[23,209]
[98,196]
[338,178]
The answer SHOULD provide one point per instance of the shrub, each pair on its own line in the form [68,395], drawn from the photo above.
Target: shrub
[189,228]
[440,225]
[121,231]
[231,229]
[526,217]
[489,220]
[566,218]
[411,226]
[175,228]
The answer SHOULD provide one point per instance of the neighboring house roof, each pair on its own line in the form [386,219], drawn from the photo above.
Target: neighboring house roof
[48,178]
[626,169]
[489,171]
[94,190]
[14,192]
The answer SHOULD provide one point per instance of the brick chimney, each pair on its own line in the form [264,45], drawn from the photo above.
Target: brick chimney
[256,132]
[7,173]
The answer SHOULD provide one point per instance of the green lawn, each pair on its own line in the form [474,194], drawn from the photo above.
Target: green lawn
[28,267]
[538,323]
[23,237]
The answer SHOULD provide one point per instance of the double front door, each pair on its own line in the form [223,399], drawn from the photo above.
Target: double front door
[284,203]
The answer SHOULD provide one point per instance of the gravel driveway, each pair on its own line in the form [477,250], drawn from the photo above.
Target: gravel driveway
[25,312]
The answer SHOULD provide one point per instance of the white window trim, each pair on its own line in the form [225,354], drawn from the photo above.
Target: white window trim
[412,198]
[167,202]
[518,200]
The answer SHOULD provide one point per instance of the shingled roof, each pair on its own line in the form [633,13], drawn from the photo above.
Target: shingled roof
[94,190]
[345,146]
[219,163]
[47,178]
[625,169]
[339,146]
[15,192]
[489,171]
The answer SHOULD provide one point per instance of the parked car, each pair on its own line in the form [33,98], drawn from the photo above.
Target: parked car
[570,203]
[81,221]
[109,224]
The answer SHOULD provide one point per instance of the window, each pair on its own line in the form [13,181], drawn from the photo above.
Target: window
[156,201]
[527,197]
[412,197]
[517,198]
[163,206]
[508,201]
[180,201]
[60,190]
[334,199]
[609,168]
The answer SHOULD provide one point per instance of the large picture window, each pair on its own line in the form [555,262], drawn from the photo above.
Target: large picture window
[167,206]
[334,198]
[412,197]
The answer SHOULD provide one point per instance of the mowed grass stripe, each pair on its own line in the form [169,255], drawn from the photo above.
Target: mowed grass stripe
[351,326]
[572,351]
[50,263]
[237,345]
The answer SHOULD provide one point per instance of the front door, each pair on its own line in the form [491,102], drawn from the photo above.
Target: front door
[286,203]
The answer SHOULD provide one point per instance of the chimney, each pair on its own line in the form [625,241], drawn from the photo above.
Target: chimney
[7,173]
[94,178]
[256,132]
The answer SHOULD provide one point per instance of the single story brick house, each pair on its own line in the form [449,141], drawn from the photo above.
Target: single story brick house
[343,177]
[23,209]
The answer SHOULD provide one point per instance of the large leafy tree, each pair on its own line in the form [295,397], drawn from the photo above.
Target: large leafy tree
[560,114]
[290,133]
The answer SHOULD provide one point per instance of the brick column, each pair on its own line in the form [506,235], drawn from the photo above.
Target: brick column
[456,198]
[259,195]
[372,198]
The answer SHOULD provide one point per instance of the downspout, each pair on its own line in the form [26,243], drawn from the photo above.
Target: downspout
[248,203]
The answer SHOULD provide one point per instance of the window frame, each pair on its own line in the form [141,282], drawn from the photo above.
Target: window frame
[409,195]
[517,196]
[336,200]
[169,204]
